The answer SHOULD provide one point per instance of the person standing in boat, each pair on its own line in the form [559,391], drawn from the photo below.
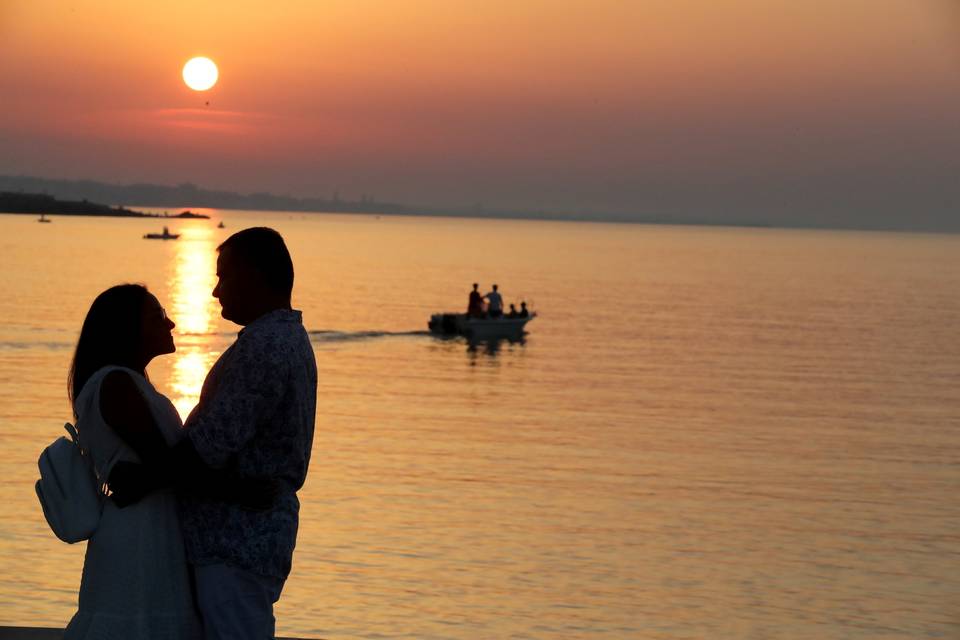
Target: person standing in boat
[494,303]
[475,305]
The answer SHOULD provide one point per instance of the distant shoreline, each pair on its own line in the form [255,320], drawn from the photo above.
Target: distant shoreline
[32,204]
[84,194]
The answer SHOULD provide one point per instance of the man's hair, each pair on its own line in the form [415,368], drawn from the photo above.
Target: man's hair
[263,249]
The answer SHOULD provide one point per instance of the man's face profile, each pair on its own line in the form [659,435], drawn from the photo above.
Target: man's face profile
[230,287]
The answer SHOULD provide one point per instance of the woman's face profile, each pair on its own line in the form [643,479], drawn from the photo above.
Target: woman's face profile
[155,329]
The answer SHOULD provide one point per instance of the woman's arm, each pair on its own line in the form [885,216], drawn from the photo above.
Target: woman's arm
[125,410]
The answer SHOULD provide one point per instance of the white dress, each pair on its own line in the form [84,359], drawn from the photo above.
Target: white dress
[136,583]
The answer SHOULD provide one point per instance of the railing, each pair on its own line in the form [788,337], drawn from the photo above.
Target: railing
[42,633]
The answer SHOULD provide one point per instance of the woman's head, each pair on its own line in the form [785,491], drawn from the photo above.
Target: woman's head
[125,326]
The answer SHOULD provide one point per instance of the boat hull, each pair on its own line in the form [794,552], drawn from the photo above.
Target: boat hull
[459,324]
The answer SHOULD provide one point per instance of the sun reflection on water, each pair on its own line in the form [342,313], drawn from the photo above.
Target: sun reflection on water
[193,279]
[194,310]
[189,370]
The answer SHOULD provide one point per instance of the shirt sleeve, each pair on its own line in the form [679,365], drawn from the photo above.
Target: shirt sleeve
[249,391]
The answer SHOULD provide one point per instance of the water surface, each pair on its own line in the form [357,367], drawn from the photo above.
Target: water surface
[725,433]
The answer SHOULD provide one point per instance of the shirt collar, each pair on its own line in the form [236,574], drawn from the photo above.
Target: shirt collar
[277,316]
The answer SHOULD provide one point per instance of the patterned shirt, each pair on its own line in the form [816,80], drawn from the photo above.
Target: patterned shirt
[255,416]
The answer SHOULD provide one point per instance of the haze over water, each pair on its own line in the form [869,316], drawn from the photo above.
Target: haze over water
[708,433]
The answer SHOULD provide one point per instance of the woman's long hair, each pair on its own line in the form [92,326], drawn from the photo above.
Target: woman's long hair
[110,335]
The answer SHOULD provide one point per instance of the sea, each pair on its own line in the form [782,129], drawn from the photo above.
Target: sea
[706,433]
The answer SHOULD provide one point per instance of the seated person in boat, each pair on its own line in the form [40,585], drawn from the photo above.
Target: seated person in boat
[513,311]
[523,310]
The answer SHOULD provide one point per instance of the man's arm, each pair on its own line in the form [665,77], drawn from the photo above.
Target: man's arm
[183,469]
[126,411]
[179,467]
[251,386]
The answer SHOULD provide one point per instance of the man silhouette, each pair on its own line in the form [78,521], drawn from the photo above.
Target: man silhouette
[495,303]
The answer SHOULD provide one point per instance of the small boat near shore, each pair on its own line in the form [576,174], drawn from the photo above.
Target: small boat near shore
[476,328]
[44,218]
[166,235]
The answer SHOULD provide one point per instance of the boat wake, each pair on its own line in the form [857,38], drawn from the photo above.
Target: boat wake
[319,335]
[316,335]
[353,336]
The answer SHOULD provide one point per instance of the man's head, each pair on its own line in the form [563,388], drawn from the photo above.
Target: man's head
[254,275]
[475,285]
[494,287]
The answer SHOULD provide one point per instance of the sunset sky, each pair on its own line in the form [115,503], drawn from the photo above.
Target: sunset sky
[713,107]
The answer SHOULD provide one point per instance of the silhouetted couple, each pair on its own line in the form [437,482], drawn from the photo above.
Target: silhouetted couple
[197,538]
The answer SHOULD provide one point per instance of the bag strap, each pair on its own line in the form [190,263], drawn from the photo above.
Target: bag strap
[72,430]
[84,454]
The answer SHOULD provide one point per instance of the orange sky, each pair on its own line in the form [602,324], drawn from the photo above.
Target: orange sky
[608,106]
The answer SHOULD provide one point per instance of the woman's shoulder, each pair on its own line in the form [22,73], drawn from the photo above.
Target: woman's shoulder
[120,381]
[111,380]
[114,373]
[123,397]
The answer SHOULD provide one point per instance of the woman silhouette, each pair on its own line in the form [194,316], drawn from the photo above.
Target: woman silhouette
[135,580]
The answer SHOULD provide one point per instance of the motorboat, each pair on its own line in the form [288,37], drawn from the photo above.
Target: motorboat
[166,235]
[43,218]
[479,328]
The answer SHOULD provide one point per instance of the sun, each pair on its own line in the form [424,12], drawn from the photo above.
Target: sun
[200,73]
